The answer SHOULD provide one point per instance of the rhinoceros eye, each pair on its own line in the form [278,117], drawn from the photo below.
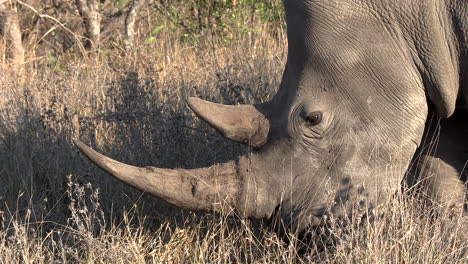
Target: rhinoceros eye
[313,118]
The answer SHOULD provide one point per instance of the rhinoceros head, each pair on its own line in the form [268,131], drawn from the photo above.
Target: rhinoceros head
[338,135]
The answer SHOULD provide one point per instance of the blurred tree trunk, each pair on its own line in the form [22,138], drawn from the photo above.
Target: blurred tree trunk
[130,23]
[89,11]
[11,30]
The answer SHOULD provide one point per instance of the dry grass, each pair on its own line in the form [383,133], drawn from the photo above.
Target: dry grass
[57,207]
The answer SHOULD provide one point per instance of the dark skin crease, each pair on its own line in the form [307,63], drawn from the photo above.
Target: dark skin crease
[361,80]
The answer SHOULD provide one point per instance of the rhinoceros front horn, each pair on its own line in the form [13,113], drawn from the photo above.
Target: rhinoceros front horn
[221,187]
[241,123]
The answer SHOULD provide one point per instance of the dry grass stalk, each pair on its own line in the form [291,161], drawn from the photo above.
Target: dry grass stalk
[134,108]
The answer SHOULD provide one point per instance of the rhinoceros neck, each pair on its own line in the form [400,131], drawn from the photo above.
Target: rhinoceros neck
[458,11]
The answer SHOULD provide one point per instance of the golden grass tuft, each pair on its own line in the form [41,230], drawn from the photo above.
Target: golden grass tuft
[57,207]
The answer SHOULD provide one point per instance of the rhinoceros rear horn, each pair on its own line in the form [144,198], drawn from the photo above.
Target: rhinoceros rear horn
[241,123]
[221,187]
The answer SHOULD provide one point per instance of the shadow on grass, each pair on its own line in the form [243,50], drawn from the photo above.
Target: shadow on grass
[137,122]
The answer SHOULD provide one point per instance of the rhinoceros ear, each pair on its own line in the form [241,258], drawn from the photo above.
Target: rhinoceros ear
[436,64]
[241,123]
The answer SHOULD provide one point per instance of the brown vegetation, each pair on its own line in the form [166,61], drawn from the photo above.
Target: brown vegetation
[11,29]
[57,206]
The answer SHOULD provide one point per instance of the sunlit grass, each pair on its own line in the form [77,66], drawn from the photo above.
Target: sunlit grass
[56,206]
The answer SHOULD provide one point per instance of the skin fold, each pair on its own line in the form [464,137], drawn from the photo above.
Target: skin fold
[361,79]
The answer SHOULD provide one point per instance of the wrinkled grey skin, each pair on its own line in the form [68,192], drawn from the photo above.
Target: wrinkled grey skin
[375,70]
[372,68]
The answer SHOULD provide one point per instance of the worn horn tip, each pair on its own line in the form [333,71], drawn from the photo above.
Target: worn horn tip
[194,103]
[78,143]
[193,99]
[88,152]
[82,147]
